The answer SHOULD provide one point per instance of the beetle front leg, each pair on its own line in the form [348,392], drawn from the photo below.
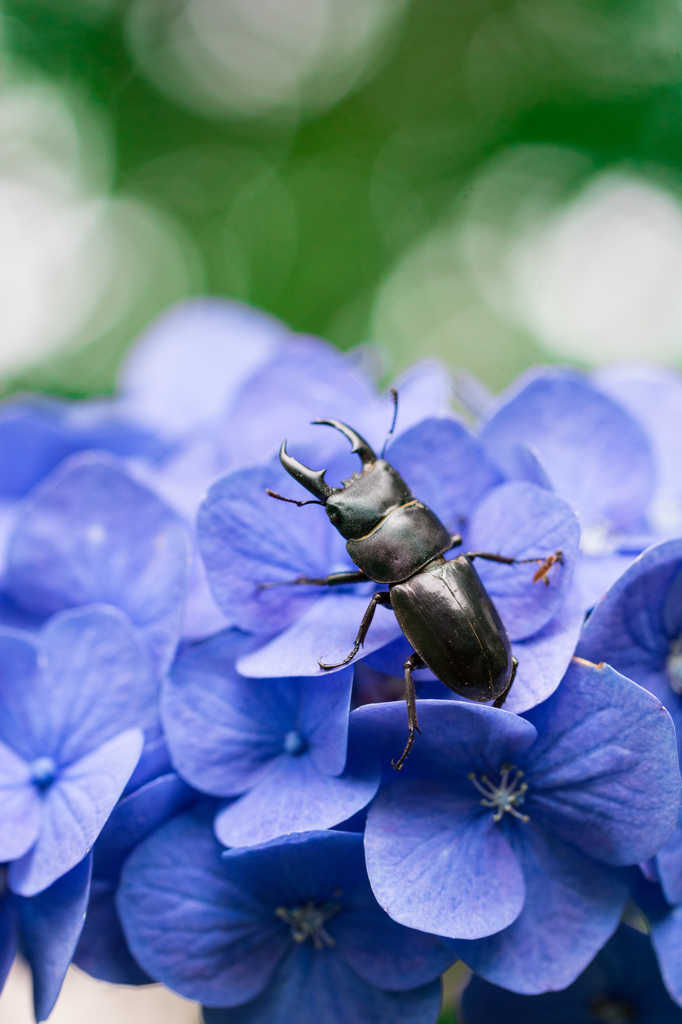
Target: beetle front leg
[499,701]
[336,579]
[413,662]
[381,597]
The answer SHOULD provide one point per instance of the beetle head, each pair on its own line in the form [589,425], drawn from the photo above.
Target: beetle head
[366,497]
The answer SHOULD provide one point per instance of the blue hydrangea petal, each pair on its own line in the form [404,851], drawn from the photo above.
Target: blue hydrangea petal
[75,808]
[595,574]
[311,988]
[49,927]
[20,806]
[293,796]
[185,369]
[633,626]
[652,394]
[308,379]
[91,534]
[669,865]
[544,657]
[420,837]
[247,538]
[189,925]
[596,455]
[134,817]
[102,951]
[603,773]
[573,904]
[224,730]
[445,467]
[94,660]
[666,937]
[523,520]
[326,631]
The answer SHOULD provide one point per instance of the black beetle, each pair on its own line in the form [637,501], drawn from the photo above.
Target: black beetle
[441,606]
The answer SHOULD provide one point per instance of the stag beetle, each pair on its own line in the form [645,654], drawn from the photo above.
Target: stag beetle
[441,606]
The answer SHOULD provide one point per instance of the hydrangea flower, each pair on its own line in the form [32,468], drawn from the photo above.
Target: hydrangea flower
[501,826]
[154,794]
[74,703]
[637,628]
[288,930]
[278,745]
[46,927]
[622,983]
[593,454]
[92,533]
[247,540]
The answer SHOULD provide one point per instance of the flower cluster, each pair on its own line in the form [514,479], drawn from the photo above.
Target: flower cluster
[190,794]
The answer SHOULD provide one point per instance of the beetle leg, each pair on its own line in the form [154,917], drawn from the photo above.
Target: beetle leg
[381,597]
[413,662]
[335,580]
[503,696]
[545,563]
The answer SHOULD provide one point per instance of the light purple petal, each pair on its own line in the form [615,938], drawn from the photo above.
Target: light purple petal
[445,467]
[544,657]
[326,631]
[669,866]
[247,538]
[603,773]
[20,806]
[292,796]
[572,907]
[90,533]
[187,366]
[523,520]
[595,453]
[75,808]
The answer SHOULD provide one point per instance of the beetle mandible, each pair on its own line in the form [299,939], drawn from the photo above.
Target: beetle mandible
[441,606]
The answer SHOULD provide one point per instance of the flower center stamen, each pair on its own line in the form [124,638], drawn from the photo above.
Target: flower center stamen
[307,922]
[505,798]
[43,772]
[294,743]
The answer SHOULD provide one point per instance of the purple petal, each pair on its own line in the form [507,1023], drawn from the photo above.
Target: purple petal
[311,987]
[439,864]
[445,467]
[669,866]
[572,907]
[102,950]
[308,379]
[595,454]
[292,796]
[189,925]
[90,533]
[603,773]
[246,538]
[75,807]
[652,394]
[20,806]
[666,937]
[8,937]
[544,657]
[49,927]
[224,730]
[524,521]
[192,361]
[326,631]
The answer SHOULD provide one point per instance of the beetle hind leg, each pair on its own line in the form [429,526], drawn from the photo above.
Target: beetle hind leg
[499,701]
[412,663]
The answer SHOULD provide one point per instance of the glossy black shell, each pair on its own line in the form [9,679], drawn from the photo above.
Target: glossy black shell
[449,619]
[405,541]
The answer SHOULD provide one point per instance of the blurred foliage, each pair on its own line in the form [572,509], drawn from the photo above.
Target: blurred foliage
[305,217]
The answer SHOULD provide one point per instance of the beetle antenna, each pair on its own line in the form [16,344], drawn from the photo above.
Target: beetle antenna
[280,497]
[394,396]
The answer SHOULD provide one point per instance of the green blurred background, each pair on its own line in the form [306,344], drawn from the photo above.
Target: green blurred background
[492,182]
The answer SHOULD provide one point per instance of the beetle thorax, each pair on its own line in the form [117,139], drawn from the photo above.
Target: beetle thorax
[366,499]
